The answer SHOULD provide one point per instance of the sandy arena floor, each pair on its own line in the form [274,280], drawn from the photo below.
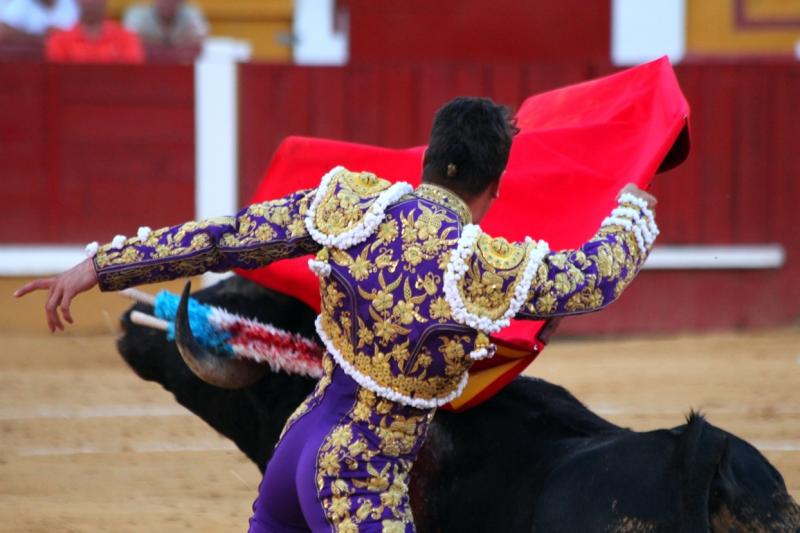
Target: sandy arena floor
[87,446]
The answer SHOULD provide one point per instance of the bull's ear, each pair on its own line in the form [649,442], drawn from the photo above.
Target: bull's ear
[215,369]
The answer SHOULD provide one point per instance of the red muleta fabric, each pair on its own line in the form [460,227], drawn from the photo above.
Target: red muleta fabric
[577,147]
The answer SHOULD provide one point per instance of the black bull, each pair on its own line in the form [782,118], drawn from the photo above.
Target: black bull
[532,458]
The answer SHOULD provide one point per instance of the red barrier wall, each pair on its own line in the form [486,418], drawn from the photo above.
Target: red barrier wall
[422,31]
[89,150]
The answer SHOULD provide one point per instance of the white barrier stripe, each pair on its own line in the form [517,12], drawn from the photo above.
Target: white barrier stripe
[48,260]
[99,411]
[757,256]
[24,260]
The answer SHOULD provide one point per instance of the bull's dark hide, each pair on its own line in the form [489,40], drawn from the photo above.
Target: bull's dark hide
[532,458]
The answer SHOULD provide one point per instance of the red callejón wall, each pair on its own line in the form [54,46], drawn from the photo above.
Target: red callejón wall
[426,31]
[87,151]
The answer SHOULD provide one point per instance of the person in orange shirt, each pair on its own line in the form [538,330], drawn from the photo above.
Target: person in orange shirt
[94,39]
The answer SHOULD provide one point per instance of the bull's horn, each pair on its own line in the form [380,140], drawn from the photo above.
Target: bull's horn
[219,370]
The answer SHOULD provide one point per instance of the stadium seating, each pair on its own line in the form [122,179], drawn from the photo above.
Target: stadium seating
[266,24]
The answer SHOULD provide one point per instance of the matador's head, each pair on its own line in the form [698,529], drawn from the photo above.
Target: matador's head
[468,150]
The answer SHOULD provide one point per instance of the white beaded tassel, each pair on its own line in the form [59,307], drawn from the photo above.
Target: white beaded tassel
[91,249]
[118,241]
[320,268]
[143,233]
[640,222]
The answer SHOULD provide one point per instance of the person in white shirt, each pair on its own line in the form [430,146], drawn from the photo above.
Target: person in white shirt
[29,21]
[168,23]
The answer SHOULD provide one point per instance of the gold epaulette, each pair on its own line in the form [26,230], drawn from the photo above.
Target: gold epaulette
[348,206]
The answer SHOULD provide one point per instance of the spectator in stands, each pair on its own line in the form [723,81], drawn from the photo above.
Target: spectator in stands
[167,23]
[29,21]
[95,39]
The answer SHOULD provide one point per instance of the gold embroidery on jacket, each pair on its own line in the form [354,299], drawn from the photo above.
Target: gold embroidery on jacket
[345,202]
[442,196]
[250,238]
[499,253]
[424,237]
[494,271]
[577,276]
[396,300]
[378,365]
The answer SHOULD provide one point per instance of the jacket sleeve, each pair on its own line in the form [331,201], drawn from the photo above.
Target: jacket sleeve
[256,236]
[589,278]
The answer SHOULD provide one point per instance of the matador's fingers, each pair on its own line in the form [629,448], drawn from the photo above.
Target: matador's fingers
[53,320]
[65,301]
[35,285]
[634,189]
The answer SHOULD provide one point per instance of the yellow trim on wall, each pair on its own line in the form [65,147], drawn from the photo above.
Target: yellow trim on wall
[266,24]
[773,8]
[712,27]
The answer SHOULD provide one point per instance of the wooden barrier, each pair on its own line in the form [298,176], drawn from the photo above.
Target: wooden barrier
[86,151]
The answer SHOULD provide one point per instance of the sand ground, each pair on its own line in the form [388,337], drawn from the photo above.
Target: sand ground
[87,446]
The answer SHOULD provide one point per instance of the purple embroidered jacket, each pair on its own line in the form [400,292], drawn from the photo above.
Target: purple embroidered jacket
[410,288]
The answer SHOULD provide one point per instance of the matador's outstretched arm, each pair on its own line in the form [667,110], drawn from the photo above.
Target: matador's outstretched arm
[256,236]
[591,277]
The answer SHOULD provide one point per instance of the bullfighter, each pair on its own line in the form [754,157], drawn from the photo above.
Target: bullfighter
[411,290]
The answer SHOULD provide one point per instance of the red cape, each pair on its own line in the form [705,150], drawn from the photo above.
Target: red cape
[577,147]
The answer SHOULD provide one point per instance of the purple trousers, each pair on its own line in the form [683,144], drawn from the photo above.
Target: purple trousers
[342,463]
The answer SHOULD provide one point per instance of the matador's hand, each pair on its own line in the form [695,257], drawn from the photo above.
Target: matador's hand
[639,193]
[63,288]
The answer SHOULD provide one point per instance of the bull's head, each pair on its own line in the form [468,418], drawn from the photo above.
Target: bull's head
[217,369]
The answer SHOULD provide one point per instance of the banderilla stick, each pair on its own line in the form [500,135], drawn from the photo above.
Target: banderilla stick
[139,296]
[143,319]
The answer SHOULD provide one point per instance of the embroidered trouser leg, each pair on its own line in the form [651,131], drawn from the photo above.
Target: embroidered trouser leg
[342,464]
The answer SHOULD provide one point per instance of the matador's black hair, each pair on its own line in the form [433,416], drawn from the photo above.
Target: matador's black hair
[469,145]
